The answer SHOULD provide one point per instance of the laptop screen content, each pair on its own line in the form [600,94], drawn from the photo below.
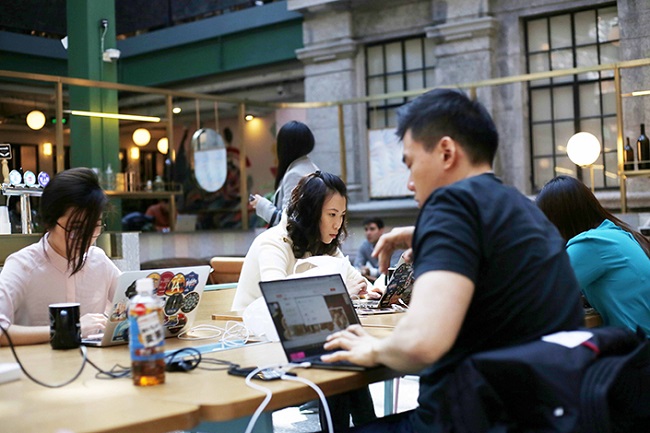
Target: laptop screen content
[306,310]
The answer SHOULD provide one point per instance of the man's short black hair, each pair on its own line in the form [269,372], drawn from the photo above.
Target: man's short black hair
[374,220]
[448,112]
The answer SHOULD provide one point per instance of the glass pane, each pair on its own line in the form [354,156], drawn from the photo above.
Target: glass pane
[538,62]
[414,80]
[376,87]
[563,131]
[392,118]
[395,83]
[608,93]
[585,23]
[587,56]
[593,126]
[611,169]
[377,119]
[430,78]
[561,59]
[561,32]
[589,99]
[563,103]
[394,57]
[429,52]
[608,28]
[540,101]
[413,49]
[542,140]
[537,35]
[565,166]
[375,60]
[610,132]
[543,172]
[609,53]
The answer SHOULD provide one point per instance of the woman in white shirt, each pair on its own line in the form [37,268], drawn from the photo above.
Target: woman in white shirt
[314,225]
[63,266]
[295,140]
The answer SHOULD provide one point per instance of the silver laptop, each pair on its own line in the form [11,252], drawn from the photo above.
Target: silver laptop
[180,289]
[305,311]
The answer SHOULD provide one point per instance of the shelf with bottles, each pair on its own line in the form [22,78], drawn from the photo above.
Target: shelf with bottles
[637,163]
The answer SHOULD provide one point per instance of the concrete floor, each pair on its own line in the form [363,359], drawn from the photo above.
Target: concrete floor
[290,420]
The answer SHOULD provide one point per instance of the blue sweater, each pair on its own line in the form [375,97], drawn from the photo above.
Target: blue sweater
[614,274]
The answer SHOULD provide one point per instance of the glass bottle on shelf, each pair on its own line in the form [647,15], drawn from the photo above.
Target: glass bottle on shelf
[628,155]
[643,150]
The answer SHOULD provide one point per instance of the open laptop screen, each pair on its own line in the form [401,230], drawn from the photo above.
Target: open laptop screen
[306,310]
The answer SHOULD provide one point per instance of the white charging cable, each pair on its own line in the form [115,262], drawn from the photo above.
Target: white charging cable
[234,334]
[284,368]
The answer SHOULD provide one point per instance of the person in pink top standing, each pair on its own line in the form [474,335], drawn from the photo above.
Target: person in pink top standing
[63,266]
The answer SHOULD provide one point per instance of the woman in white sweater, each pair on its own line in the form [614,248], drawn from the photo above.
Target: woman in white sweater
[313,225]
[295,140]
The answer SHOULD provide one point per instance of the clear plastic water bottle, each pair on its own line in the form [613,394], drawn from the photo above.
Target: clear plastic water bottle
[146,336]
[109,179]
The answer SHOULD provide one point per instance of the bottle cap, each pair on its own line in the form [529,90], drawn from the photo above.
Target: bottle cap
[144,286]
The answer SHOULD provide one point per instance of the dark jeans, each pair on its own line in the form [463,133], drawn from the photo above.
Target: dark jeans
[357,404]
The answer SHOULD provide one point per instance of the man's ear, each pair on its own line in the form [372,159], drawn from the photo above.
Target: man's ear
[448,151]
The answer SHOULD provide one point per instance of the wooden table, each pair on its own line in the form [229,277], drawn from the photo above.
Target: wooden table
[218,401]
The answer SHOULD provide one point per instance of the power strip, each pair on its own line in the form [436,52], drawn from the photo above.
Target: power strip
[9,371]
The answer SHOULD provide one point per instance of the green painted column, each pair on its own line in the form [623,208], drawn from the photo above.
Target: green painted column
[94,142]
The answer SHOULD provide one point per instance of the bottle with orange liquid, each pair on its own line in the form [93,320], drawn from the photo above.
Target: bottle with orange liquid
[146,336]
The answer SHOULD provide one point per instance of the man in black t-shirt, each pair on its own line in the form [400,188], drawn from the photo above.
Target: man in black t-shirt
[491,271]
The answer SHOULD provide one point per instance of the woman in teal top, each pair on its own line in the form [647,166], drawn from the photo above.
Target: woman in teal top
[611,261]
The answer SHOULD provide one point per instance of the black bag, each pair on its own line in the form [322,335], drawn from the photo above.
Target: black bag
[602,385]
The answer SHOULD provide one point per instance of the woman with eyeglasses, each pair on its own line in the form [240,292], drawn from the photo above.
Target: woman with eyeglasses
[63,266]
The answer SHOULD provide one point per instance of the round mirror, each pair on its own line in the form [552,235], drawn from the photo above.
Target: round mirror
[209,155]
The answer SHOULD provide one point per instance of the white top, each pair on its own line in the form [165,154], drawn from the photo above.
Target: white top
[270,257]
[37,276]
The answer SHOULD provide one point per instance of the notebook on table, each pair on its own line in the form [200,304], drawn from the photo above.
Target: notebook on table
[305,311]
[180,290]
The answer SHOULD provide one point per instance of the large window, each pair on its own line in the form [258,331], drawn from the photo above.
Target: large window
[560,107]
[396,66]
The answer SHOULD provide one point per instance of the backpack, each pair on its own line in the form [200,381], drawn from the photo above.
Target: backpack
[602,385]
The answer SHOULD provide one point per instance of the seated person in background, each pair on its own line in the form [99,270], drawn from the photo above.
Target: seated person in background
[314,224]
[160,214]
[364,261]
[63,266]
[610,260]
[490,270]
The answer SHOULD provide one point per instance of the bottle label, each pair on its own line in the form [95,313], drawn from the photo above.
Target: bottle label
[146,334]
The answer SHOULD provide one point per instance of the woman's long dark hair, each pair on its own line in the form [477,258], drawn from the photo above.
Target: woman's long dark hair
[304,213]
[77,190]
[295,139]
[574,209]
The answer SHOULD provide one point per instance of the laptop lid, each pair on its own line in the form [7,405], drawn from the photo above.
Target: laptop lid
[180,290]
[306,310]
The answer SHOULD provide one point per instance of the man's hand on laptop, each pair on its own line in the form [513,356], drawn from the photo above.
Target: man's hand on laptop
[356,346]
[397,239]
[91,324]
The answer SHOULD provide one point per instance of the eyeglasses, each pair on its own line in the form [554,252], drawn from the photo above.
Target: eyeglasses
[99,229]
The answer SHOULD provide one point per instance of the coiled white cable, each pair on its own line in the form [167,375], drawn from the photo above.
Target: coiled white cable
[232,335]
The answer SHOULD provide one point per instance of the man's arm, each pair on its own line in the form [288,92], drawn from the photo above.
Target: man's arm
[399,238]
[428,330]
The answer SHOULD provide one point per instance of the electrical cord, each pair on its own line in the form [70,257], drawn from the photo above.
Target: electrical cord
[284,368]
[232,335]
[84,357]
